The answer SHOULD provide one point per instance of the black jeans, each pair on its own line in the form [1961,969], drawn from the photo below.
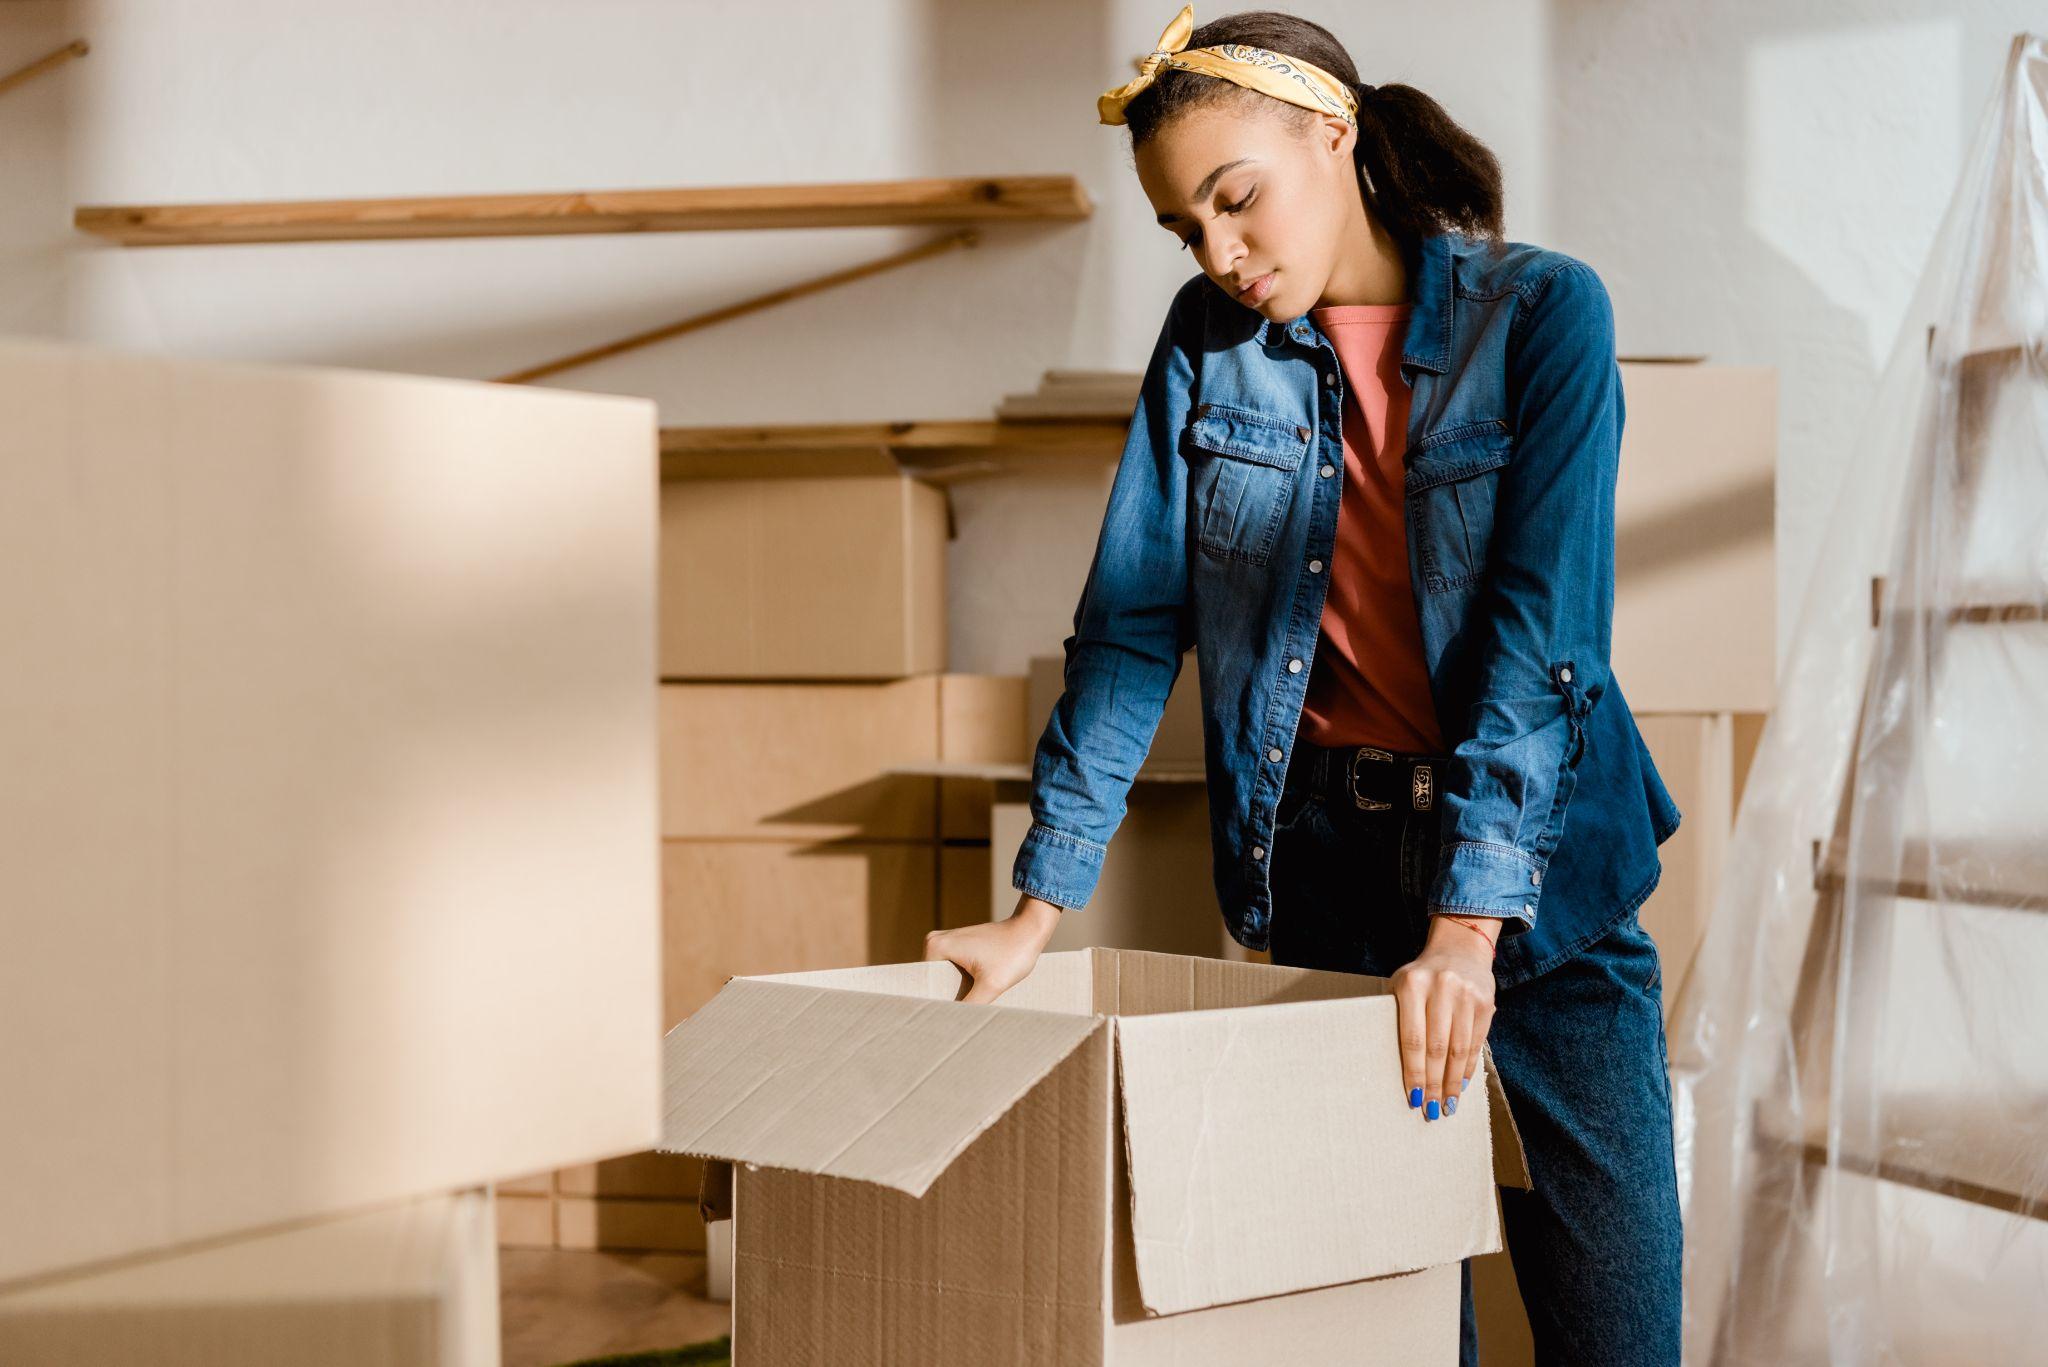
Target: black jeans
[1580,1051]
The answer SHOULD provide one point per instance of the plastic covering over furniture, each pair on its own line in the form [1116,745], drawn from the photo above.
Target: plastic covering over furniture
[1860,1062]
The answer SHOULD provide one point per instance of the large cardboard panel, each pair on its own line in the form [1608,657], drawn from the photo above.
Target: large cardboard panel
[802,578]
[414,1284]
[1388,1193]
[771,906]
[1156,890]
[797,761]
[328,864]
[1405,1320]
[1003,1259]
[1695,606]
[867,1085]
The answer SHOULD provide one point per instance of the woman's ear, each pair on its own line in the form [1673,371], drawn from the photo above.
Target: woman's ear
[1337,135]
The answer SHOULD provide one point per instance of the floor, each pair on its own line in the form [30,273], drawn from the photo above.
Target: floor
[561,1305]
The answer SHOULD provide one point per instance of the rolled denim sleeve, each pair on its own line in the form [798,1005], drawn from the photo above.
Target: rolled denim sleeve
[1543,661]
[1132,627]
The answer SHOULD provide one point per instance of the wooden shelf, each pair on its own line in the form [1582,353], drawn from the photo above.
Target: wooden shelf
[1019,771]
[1928,1142]
[1988,609]
[842,448]
[857,204]
[2023,868]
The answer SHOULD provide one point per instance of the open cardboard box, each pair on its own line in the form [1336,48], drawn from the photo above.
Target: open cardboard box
[1131,1157]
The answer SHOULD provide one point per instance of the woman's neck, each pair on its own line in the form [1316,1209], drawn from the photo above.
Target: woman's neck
[1370,269]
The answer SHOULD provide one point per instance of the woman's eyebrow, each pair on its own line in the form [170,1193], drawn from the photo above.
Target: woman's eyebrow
[1208,184]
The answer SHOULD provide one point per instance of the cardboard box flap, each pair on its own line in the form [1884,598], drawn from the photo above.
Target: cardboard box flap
[1272,1149]
[866,1085]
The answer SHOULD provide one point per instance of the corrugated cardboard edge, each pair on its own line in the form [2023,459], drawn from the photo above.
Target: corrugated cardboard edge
[916,1178]
[714,1190]
[1510,1160]
[1505,1161]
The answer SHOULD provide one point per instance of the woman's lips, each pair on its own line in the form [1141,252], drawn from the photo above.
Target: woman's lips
[1256,292]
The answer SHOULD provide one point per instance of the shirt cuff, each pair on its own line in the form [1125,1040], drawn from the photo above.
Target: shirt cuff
[1479,878]
[1056,867]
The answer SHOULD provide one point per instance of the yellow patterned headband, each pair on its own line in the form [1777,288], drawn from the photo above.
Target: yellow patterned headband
[1256,68]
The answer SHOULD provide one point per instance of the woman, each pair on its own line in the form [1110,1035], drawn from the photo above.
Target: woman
[1404,671]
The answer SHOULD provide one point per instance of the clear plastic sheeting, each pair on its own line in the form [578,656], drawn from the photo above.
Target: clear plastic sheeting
[1860,1056]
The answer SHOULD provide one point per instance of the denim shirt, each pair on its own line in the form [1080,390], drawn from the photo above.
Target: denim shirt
[1221,520]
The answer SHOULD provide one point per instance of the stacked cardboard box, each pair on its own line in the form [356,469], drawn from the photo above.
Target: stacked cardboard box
[916,1179]
[1695,617]
[330,875]
[802,637]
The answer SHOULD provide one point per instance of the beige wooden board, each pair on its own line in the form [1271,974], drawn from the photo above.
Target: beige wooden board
[1695,606]
[773,906]
[412,1284]
[798,761]
[328,861]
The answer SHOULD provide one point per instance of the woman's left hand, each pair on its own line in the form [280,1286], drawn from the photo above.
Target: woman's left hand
[1444,1000]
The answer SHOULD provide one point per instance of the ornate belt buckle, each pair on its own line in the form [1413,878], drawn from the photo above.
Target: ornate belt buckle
[1422,788]
[1366,803]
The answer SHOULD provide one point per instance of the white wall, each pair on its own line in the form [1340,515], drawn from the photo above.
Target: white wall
[1756,182]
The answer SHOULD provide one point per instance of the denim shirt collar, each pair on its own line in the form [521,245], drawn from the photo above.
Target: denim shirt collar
[1427,345]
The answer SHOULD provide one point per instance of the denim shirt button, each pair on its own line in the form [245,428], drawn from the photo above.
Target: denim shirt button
[1303,433]
[1328,470]
[1294,666]
[1330,378]
[1565,674]
[1274,754]
[1315,567]
[1259,852]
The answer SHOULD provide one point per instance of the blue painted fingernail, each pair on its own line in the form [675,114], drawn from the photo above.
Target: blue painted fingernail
[1462,1085]
[1450,1105]
[1433,1110]
[1414,1096]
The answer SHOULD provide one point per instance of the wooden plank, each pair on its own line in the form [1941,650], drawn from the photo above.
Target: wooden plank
[77,47]
[853,204]
[928,450]
[1923,1145]
[2022,875]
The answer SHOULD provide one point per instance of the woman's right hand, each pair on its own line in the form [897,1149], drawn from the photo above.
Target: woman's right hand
[996,955]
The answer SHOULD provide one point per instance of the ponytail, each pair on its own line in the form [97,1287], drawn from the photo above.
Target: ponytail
[1420,172]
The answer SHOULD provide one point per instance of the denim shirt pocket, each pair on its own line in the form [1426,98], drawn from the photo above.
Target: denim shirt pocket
[1452,482]
[1241,470]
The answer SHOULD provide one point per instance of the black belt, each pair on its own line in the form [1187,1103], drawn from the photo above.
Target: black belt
[1367,778]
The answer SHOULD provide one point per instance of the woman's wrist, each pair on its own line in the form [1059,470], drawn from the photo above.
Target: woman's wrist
[1042,916]
[1486,928]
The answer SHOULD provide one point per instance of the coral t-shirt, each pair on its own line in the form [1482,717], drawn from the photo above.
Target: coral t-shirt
[1368,684]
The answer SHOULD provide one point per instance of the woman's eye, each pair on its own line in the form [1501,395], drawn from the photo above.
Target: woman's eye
[1188,242]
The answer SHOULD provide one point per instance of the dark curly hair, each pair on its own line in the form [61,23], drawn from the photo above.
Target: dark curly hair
[1420,173]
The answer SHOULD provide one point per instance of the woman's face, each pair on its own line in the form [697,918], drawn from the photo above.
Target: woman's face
[1260,206]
